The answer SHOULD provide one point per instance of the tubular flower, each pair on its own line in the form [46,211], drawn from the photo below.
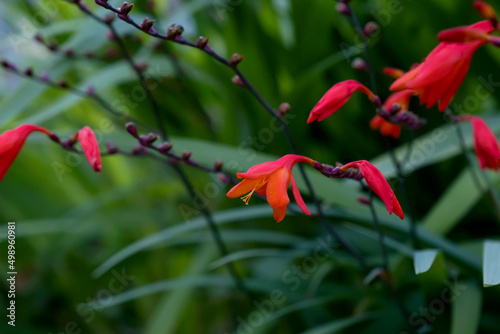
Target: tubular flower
[401,99]
[485,143]
[335,98]
[12,141]
[393,72]
[88,141]
[378,185]
[440,75]
[271,179]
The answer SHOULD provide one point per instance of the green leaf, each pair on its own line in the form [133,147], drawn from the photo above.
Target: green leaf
[338,325]
[423,260]
[466,309]
[491,263]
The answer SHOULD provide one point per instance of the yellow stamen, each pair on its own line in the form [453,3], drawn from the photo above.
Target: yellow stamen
[246,198]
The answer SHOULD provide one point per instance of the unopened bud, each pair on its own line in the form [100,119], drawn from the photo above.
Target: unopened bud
[132,129]
[364,200]
[28,71]
[139,150]
[69,53]
[376,102]
[237,80]
[39,38]
[89,54]
[284,108]
[141,66]
[90,91]
[343,9]
[395,109]
[126,8]
[318,166]
[235,60]
[63,83]
[111,148]
[201,42]
[53,47]
[54,138]
[359,64]
[44,77]
[186,155]
[371,28]
[165,147]
[109,18]
[8,65]
[148,139]
[101,2]
[174,30]
[218,166]
[147,24]
[224,178]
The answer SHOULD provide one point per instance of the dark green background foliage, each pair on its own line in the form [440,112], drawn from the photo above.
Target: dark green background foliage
[71,220]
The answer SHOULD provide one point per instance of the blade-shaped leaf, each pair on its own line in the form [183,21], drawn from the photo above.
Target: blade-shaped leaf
[491,263]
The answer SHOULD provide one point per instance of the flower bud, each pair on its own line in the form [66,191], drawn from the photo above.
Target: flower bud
[39,38]
[235,60]
[317,165]
[376,102]
[371,28]
[148,140]
[186,155]
[147,24]
[109,18]
[132,129]
[174,30]
[139,150]
[359,64]
[284,108]
[28,71]
[395,109]
[237,81]
[69,53]
[111,148]
[224,178]
[201,42]
[63,83]
[8,65]
[218,166]
[343,9]
[54,138]
[141,66]
[363,200]
[101,2]
[90,91]
[126,8]
[165,147]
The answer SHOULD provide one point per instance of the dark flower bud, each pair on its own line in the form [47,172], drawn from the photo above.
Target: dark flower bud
[224,178]
[147,24]
[139,150]
[343,9]
[90,91]
[186,155]
[384,113]
[235,60]
[28,71]
[111,148]
[371,28]
[109,18]
[63,83]
[126,8]
[284,108]
[148,139]
[218,166]
[89,54]
[132,129]
[376,102]
[69,53]
[101,2]
[39,39]
[53,47]
[44,77]
[395,109]
[8,65]
[359,64]
[327,169]
[201,42]
[174,30]
[237,81]
[54,138]
[165,147]
[318,166]
[364,200]
[141,66]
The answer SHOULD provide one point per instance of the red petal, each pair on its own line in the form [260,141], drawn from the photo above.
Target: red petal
[88,141]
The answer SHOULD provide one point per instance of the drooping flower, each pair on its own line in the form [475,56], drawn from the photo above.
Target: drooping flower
[271,179]
[88,141]
[485,143]
[12,141]
[378,184]
[400,99]
[335,98]
[439,76]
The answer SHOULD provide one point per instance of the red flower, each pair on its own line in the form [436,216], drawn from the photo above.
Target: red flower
[378,184]
[335,98]
[387,128]
[88,141]
[440,75]
[485,144]
[12,141]
[271,179]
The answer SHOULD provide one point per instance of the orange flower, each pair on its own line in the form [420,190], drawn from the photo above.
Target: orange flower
[335,98]
[271,179]
[485,143]
[387,128]
[12,141]
[439,76]
[378,184]
[393,72]
[88,141]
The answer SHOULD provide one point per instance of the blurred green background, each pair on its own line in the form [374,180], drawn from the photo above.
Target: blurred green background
[128,251]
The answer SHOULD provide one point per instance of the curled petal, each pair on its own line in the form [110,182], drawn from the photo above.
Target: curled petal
[277,187]
[298,197]
[485,144]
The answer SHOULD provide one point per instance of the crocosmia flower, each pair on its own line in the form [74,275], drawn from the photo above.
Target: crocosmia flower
[12,141]
[378,184]
[485,143]
[271,179]
[439,76]
[88,141]
[400,99]
[335,98]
